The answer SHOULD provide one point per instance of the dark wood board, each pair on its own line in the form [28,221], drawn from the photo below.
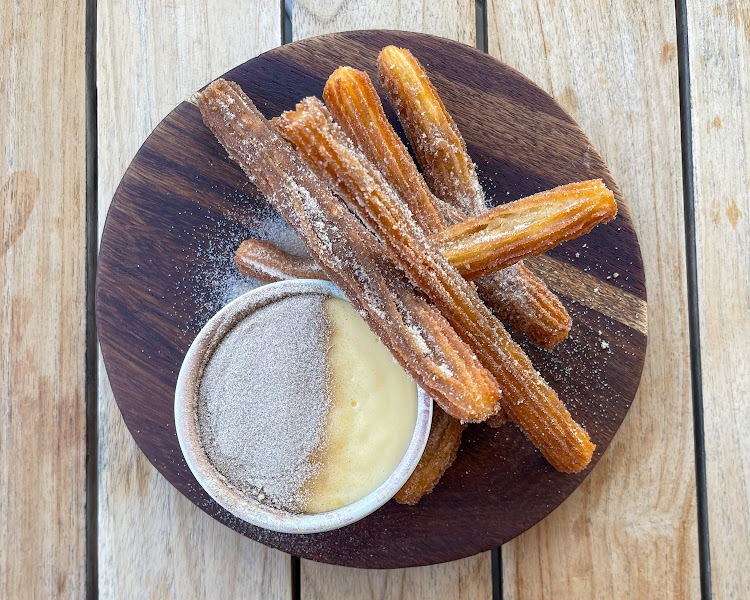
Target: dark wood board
[165,265]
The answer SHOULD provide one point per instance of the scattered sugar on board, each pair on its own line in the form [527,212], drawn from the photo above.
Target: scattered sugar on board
[578,367]
[264,400]
[211,280]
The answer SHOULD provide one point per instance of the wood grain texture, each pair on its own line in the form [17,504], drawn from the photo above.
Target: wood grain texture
[465,579]
[43,312]
[630,530]
[453,19]
[719,47]
[151,55]
[183,205]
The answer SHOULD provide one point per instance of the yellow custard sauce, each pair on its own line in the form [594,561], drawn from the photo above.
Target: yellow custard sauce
[371,418]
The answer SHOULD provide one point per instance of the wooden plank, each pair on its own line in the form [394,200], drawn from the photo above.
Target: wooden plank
[452,19]
[719,51]
[469,578]
[152,541]
[466,579]
[630,529]
[43,311]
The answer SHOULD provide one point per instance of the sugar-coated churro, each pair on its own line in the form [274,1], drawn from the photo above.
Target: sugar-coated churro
[526,397]
[415,332]
[354,104]
[515,289]
[439,454]
[517,296]
[437,143]
[508,233]
[265,261]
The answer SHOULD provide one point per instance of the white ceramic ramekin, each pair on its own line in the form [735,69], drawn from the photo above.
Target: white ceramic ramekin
[186,421]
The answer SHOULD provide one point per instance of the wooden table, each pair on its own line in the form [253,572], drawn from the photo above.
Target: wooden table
[662,89]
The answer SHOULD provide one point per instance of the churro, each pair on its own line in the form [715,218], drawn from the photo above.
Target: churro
[438,456]
[508,233]
[516,296]
[354,104]
[265,261]
[437,143]
[415,332]
[526,397]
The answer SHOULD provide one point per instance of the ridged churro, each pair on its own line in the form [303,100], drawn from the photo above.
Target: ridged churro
[415,332]
[516,296]
[439,454]
[267,262]
[526,397]
[508,233]
[437,143]
[354,104]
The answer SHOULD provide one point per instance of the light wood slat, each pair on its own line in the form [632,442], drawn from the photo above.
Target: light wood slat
[153,543]
[472,577]
[719,51]
[467,579]
[630,530]
[42,312]
[452,19]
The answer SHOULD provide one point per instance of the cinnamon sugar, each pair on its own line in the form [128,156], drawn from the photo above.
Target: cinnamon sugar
[264,400]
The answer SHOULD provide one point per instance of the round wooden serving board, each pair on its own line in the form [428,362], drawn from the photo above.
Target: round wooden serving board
[165,265]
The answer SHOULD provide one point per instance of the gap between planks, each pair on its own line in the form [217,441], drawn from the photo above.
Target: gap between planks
[688,195]
[286,37]
[91,354]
